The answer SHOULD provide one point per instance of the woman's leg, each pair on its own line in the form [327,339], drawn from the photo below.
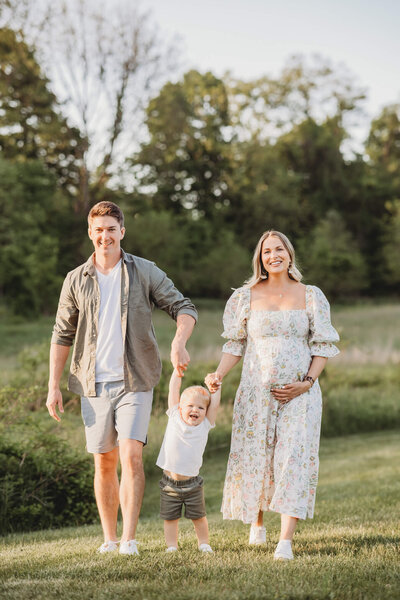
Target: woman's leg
[288,526]
[257,531]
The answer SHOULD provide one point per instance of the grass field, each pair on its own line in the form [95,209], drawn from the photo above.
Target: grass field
[350,551]
[368,335]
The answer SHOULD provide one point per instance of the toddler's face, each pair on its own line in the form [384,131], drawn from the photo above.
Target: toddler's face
[193,409]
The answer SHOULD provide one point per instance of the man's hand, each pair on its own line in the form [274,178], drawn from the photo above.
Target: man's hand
[213,381]
[54,399]
[179,357]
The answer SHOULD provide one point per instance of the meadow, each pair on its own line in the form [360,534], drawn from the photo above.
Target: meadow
[350,550]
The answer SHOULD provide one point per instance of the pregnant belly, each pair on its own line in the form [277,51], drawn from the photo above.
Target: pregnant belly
[277,364]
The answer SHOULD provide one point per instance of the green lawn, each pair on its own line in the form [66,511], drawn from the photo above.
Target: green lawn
[349,551]
[367,333]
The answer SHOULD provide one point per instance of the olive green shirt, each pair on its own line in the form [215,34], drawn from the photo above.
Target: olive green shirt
[143,286]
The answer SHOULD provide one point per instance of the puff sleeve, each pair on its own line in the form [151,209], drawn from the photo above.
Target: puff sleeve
[235,322]
[322,334]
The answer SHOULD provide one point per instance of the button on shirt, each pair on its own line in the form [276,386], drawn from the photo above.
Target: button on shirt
[143,286]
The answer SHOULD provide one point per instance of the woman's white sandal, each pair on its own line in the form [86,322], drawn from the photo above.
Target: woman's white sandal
[205,548]
[284,550]
[258,535]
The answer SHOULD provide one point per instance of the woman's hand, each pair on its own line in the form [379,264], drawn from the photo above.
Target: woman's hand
[286,393]
[213,381]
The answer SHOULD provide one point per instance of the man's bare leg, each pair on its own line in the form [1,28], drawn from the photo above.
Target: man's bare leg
[106,489]
[132,486]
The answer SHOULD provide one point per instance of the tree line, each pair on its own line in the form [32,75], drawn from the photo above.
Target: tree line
[201,166]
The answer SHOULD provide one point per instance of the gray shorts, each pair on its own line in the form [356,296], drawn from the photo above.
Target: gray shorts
[175,494]
[113,415]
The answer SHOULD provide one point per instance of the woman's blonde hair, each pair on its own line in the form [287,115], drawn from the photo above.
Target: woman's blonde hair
[259,273]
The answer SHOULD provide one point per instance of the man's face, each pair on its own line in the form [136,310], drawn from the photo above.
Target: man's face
[106,235]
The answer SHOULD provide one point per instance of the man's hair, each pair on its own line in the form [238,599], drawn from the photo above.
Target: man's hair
[197,390]
[106,209]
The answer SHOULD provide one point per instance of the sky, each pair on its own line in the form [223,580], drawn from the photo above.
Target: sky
[252,38]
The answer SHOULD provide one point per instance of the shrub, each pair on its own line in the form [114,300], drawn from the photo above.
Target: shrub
[44,483]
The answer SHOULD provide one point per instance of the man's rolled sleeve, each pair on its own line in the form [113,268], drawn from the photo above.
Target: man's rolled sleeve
[167,297]
[67,317]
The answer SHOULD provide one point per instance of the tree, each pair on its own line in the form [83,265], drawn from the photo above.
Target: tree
[104,61]
[185,164]
[307,88]
[28,273]
[31,125]
[391,246]
[331,259]
[264,194]
[312,151]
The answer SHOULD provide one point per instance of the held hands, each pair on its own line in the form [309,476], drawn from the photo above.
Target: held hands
[179,358]
[54,399]
[213,381]
[286,393]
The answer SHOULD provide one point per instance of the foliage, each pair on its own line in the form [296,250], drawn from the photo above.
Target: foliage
[332,260]
[28,271]
[104,61]
[391,249]
[44,483]
[185,165]
[31,124]
[217,162]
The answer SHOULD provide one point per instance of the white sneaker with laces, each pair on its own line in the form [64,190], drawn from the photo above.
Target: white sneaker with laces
[108,546]
[258,535]
[129,547]
[205,548]
[284,550]
[171,549]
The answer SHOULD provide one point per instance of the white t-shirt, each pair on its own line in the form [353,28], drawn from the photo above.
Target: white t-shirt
[183,445]
[109,348]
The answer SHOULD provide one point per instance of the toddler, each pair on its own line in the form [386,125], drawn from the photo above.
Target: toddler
[191,416]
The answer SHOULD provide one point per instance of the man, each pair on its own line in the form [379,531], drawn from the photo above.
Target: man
[105,307]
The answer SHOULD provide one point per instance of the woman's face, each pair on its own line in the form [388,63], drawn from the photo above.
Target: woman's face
[275,258]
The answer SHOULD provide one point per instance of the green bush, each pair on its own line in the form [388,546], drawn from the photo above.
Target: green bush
[361,399]
[43,484]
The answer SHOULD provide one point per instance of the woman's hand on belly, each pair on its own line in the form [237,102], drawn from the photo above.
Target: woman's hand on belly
[287,392]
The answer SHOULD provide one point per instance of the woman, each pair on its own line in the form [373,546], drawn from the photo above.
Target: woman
[283,329]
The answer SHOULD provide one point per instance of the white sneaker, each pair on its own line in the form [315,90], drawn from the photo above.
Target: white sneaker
[284,550]
[258,535]
[205,548]
[129,547]
[171,549]
[108,546]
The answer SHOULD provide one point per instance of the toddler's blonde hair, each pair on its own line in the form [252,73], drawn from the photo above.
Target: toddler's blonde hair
[197,390]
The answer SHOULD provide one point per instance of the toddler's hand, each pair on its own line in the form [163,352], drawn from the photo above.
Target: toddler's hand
[213,381]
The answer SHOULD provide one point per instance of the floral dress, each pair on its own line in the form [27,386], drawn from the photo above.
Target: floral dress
[273,460]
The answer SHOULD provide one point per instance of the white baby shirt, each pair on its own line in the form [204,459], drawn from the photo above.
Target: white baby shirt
[183,445]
